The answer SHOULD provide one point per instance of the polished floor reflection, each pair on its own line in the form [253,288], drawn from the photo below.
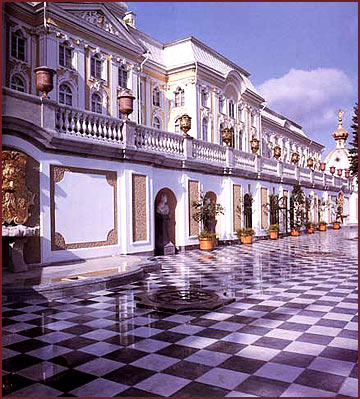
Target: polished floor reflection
[292,331]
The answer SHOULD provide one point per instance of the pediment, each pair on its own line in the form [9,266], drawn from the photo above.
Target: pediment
[98,16]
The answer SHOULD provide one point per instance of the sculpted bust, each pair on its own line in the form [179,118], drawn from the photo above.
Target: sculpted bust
[163,207]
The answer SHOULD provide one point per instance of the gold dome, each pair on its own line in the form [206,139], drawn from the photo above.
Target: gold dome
[340,133]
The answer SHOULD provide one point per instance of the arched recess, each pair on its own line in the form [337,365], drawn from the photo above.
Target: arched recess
[248,210]
[211,224]
[165,219]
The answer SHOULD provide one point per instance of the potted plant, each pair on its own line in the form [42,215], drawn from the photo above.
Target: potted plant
[338,214]
[274,231]
[205,214]
[245,235]
[310,226]
[297,202]
[322,225]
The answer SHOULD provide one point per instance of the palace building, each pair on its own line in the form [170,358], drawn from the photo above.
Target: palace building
[91,179]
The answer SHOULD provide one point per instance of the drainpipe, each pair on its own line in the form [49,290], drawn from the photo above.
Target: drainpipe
[147,55]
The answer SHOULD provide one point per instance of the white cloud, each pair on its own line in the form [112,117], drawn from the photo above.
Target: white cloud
[312,98]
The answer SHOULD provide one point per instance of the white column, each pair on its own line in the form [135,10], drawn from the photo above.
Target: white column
[80,61]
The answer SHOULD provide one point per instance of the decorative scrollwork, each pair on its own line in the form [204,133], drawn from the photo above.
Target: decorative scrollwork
[16,197]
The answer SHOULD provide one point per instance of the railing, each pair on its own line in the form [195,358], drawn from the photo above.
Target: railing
[304,173]
[289,171]
[208,151]
[72,123]
[158,141]
[269,165]
[244,160]
[86,124]
[318,177]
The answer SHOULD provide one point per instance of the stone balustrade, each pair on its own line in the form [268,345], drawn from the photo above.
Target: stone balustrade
[70,123]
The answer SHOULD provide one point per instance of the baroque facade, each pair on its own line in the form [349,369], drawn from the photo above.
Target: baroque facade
[99,176]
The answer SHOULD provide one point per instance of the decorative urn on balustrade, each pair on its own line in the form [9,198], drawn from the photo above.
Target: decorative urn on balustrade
[277,152]
[126,103]
[295,157]
[185,123]
[332,169]
[310,163]
[339,171]
[44,80]
[254,144]
[227,136]
[347,173]
[322,166]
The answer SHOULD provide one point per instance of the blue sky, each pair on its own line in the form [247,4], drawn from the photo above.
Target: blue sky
[302,56]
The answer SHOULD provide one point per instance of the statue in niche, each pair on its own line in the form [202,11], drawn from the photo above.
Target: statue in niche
[162,221]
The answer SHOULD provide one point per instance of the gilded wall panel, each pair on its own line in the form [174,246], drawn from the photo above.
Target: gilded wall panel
[193,190]
[264,208]
[139,208]
[236,203]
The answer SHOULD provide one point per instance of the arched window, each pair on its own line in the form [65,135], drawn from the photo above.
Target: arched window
[221,104]
[231,109]
[123,77]
[18,45]
[179,97]
[65,94]
[221,128]
[204,98]
[240,140]
[156,123]
[96,66]
[205,129]
[65,55]
[248,210]
[96,103]
[177,125]
[17,83]
[156,97]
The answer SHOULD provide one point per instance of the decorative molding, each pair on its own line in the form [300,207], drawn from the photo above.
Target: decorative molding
[139,207]
[58,242]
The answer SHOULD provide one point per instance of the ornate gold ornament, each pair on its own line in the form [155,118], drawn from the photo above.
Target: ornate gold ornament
[295,157]
[185,123]
[254,145]
[227,136]
[16,198]
[277,152]
[310,163]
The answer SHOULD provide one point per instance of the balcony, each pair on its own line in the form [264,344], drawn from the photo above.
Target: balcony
[127,140]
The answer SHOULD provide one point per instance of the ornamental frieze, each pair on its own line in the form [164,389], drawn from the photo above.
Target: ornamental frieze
[16,197]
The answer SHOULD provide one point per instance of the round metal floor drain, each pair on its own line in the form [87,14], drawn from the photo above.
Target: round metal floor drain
[180,300]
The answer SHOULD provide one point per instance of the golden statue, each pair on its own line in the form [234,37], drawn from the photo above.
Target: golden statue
[16,198]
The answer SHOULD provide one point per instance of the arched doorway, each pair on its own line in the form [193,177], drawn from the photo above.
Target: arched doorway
[248,210]
[165,209]
[211,223]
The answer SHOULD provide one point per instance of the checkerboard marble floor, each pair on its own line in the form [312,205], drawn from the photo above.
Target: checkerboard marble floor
[292,331]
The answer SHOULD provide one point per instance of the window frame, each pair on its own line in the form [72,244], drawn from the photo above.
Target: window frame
[179,99]
[205,129]
[123,77]
[15,36]
[66,94]
[95,104]
[21,79]
[156,118]
[156,97]
[96,66]
[65,55]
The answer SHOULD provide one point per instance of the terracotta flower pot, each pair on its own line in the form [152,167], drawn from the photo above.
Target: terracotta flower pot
[311,230]
[336,226]
[322,227]
[294,233]
[44,80]
[246,239]
[206,244]
[273,235]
